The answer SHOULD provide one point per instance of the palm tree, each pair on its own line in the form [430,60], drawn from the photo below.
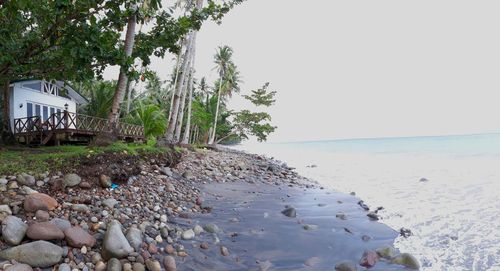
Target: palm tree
[222,61]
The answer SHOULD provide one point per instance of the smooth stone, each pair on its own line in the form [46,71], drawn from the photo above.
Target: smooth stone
[312,261]
[127,267]
[82,208]
[110,203]
[64,267]
[39,201]
[13,230]
[407,260]
[345,266]
[105,181]
[290,212]
[188,234]
[71,179]
[78,237]
[62,224]
[169,263]
[35,254]
[341,216]
[25,179]
[42,216]
[5,211]
[19,267]
[373,216]
[309,227]
[211,228]
[369,259]
[153,265]
[26,190]
[44,231]
[198,230]
[140,267]
[100,266]
[224,251]
[386,252]
[134,237]
[114,265]
[115,245]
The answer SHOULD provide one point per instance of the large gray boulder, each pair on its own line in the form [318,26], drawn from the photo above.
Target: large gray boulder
[115,245]
[25,179]
[71,179]
[134,237]
[13,230]
[35,254]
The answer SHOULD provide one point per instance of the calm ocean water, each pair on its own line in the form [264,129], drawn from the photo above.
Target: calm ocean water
[454,216]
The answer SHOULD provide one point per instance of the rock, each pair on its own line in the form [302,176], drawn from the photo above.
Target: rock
[312,261]
[290,212]
[105,181]
[153,265]
[85,185]
[39,201]
[100,266]
[341,216]
[188,234]
[25,179]
[405,232]
[42,216]
[35,254]
[345,266]
[70,180]
[224,251]
[363,205]
[369,259]
[64,267]
[5,211]
[407,260]
[44,231]
[115,245]
[386,252]
[13,185]
[114,265]
[198,230]
[13,230]
[134,237]
[110,203]
[167,171]
[19,267]
[127,267]
[204,245]
[211,228]
[373,216]
[265,266]
[139,267]
[82,208]
[309,227]
[423,180]
[187,174]
[62,224]
[26,190]
[169,263]
[78,237]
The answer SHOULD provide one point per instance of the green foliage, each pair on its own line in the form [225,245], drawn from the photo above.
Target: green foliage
[100,96]
[261,96]
[151,117]
[247,123]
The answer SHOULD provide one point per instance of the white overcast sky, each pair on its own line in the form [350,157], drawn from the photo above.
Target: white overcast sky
[351,69]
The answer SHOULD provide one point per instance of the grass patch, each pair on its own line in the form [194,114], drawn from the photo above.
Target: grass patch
[15,160]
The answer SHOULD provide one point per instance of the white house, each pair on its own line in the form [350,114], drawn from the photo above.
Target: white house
[41,98]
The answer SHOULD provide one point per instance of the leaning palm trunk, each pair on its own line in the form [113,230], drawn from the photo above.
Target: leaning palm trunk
[177,67]
[177,96]
[122,78]
[212,135]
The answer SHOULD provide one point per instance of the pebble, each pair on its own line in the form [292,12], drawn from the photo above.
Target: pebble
[169,263]
[224,251]
[289,212]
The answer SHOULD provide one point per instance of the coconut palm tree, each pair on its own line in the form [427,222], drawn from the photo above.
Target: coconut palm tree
[223,61]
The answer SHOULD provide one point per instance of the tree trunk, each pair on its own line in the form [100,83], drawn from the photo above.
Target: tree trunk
[177,67]
[176,102]
[212,135]
[122,78]
[185,139]
[180,117]
[129,94]
[6,137]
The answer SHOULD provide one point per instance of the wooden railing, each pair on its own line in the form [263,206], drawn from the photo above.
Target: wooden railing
[72,122]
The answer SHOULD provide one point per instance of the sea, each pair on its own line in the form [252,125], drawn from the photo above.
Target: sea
[444,189]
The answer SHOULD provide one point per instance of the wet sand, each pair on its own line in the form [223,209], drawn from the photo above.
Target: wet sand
[264,238]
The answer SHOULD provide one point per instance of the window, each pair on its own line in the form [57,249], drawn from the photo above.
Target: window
[37,110]
[35,86]
[45,113]
[29,108]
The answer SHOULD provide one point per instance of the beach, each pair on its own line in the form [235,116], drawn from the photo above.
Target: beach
[204,210]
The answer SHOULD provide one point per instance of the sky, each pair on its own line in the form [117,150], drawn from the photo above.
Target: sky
[360,69]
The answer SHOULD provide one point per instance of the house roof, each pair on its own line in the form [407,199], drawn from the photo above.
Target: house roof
[72,92]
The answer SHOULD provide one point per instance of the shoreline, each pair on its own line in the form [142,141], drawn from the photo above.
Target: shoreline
[181,216]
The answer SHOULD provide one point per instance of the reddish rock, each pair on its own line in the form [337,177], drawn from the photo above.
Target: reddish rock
[169,263]
[78,237]
[169,249]
[369,259]
[199,201]
[204,245]
[85,185]
[42,216]
[39,201]
[152,248]
[44,231]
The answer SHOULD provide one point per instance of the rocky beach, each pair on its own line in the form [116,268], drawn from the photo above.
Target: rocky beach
[198,209]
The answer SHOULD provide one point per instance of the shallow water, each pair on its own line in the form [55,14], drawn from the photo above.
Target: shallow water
[454,216]
[266,235]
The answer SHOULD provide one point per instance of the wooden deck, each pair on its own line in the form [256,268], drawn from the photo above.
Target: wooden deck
[67,126]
